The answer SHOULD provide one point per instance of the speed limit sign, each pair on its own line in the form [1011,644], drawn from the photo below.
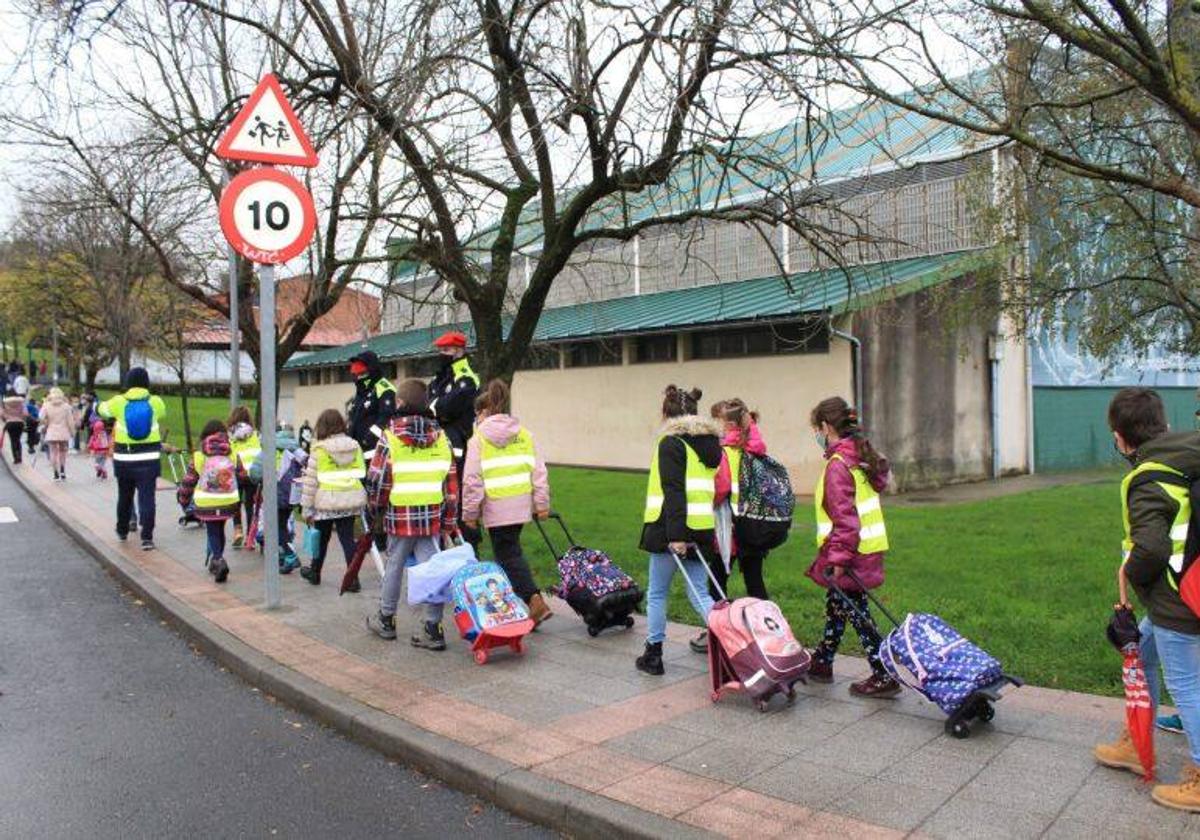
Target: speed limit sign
[267,215]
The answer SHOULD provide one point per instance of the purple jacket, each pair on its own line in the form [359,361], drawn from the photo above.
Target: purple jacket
[841,549]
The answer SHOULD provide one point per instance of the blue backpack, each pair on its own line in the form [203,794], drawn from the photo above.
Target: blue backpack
[932,658]
[139,419]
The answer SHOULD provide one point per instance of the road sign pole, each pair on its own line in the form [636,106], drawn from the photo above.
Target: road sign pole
[269,516]
[235,350]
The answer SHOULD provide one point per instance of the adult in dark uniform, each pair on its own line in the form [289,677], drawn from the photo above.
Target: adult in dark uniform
[374,401]
[452,394]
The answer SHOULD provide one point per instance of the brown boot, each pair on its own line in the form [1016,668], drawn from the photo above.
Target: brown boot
[1184,796]
[539,610]
[1120,755]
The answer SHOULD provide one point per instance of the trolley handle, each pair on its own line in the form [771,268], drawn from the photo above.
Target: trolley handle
[850,604]
[546,537]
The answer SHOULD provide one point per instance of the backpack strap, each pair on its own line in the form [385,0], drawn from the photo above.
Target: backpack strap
[1160,477]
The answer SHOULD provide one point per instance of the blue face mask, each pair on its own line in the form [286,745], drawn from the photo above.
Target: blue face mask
[821,440]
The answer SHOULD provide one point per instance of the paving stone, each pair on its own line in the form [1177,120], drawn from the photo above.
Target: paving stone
[805,783]
[665,790]
[826,826]
[658,743]
[592,768]
[744,813]
[1120,803]
[964,818]
[727,761]
[936,769]
[890,803]
[522,701]
[1031,776]
[875,743]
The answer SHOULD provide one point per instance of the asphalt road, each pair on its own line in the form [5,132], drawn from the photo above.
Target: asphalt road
[112,727]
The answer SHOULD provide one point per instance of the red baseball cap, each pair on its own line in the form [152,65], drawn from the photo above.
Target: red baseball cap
[451,339]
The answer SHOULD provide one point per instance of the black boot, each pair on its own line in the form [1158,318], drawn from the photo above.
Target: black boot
[312,574]
[651,662]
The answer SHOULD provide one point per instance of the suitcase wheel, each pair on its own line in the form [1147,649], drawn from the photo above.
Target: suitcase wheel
[715,696]
[628,621]
[481,656]
[517,646]
[762,705]
[593,630]
[791,694]
[957,729]
[986,712]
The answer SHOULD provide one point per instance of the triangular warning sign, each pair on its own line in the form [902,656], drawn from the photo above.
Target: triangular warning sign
[266,130]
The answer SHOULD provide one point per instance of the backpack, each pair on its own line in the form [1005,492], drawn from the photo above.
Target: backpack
[1187,578]
[219,476]
[767,502]
[932,658]
[139,419]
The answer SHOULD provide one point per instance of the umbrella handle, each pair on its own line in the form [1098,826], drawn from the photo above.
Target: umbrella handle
[1122,586]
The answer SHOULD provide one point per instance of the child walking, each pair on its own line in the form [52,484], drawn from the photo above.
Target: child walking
[211,485]
[504,487]
[289,463]
[57,424]
[246,449]
[679,514]
[100,447]
[412,484]
[850,537]
[332,494]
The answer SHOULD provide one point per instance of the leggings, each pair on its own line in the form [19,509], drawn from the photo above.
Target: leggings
[247,491]
[751,564]
[345,535]
[58,455]
[836,616]
[14,429]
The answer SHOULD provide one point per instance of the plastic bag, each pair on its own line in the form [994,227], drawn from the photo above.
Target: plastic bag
[723,523]
[429,582]
[312,542]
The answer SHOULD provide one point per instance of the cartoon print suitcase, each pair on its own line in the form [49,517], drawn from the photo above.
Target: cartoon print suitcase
[487,612]
[597,589]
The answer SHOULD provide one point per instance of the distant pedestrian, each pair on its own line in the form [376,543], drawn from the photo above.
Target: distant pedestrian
[100,447]
[58,424]
[20,383]
[210,489]
[851,537]
[305,435]
[137,449]
[678,515]
[14,415]
[505,485]
[33,414]
[289,464]
[247,451]
[332,496]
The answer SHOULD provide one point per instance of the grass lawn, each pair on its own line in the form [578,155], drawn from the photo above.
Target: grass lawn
[1031,577]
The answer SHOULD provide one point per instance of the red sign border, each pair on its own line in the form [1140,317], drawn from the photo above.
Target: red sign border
[229,224]
[267,83]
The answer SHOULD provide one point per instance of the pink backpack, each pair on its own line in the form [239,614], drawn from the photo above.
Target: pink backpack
[759,645]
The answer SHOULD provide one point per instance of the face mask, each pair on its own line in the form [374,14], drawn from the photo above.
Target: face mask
[821,440]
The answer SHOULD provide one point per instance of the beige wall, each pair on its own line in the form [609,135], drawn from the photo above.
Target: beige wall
[608,416]
[1014,401]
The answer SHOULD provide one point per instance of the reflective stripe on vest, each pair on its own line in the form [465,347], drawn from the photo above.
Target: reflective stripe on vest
[418,474]
[507,470]
[202,498]
[700,488]
[872,533]
[339,478]
[1179,527]
[734,456]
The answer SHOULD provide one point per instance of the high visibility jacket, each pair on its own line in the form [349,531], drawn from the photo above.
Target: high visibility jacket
[207,500]
[699,489]
[507,470]
[733,455]
[872,533]
[1179,526]
[246,452]
[339,478]
[462,370]
[418,474]
[125,447]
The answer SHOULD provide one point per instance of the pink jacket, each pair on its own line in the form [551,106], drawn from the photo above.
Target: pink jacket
[755,445]
[494,513]
[59,420]
[841,549]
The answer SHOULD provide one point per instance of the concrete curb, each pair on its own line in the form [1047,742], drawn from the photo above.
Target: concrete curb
[568,809]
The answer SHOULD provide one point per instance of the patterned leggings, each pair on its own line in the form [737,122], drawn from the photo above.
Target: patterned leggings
[836,616]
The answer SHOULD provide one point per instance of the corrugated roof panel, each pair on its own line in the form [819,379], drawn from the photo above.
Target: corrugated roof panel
[829,290]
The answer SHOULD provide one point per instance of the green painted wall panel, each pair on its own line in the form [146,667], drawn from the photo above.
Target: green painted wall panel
[1071,430]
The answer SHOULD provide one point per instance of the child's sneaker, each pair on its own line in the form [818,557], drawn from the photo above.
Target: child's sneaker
[238,537]
[383,626]
[875,686]
[820,672]
[1170,723]
[311,575]
[288,563]
[220,569]
[430,637]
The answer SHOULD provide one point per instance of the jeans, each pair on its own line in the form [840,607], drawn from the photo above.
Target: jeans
[662,572]
[215,532]
[398,550]
[136,477]
[506,543]
[345,535]
[1179,654]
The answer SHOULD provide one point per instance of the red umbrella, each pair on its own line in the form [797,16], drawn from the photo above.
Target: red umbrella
[1139,710]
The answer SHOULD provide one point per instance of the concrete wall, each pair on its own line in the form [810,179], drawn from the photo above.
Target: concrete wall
[926,394]
[1014,402]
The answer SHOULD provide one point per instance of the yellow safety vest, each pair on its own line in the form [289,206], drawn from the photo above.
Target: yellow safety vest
[461,368]
[699,489]
[247,451]
[338,478]
[872,533]
[507,470]
[382,386]
[733,455]
[126,448]
[207,500]
[1179,527]
[418,474]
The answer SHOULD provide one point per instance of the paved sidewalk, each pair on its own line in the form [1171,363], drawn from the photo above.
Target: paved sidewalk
[571,735]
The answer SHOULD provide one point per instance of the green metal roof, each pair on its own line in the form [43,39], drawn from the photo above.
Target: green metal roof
[770,298]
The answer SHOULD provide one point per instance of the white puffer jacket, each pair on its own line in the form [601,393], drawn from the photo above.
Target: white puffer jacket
[331,504]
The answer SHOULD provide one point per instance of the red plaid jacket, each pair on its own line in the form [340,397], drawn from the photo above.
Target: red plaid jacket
[414,520]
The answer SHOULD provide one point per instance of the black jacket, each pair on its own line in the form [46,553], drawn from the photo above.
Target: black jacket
[704,437]
[1151,514]
[374,402]
[452,398]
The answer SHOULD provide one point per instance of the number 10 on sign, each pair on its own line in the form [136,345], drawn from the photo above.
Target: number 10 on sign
[267,215]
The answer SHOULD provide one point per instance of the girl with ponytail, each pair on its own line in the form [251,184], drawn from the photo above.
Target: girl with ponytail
[851,537]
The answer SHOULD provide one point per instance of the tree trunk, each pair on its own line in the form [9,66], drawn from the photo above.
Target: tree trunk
[90,372]
[124,363]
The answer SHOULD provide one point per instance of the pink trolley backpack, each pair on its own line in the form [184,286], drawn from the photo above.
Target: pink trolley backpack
[751,648]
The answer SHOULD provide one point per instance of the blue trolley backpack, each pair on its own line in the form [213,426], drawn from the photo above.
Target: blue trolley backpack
[487,613]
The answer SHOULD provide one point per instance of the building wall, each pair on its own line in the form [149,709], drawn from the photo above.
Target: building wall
[925,394]
[203,367]
[1014,404]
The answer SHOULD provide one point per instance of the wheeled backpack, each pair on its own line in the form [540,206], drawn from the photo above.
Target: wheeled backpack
[592,585]
[487,612]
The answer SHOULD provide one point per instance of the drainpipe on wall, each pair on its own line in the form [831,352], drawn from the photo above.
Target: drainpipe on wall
[995,355]
[855,362]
